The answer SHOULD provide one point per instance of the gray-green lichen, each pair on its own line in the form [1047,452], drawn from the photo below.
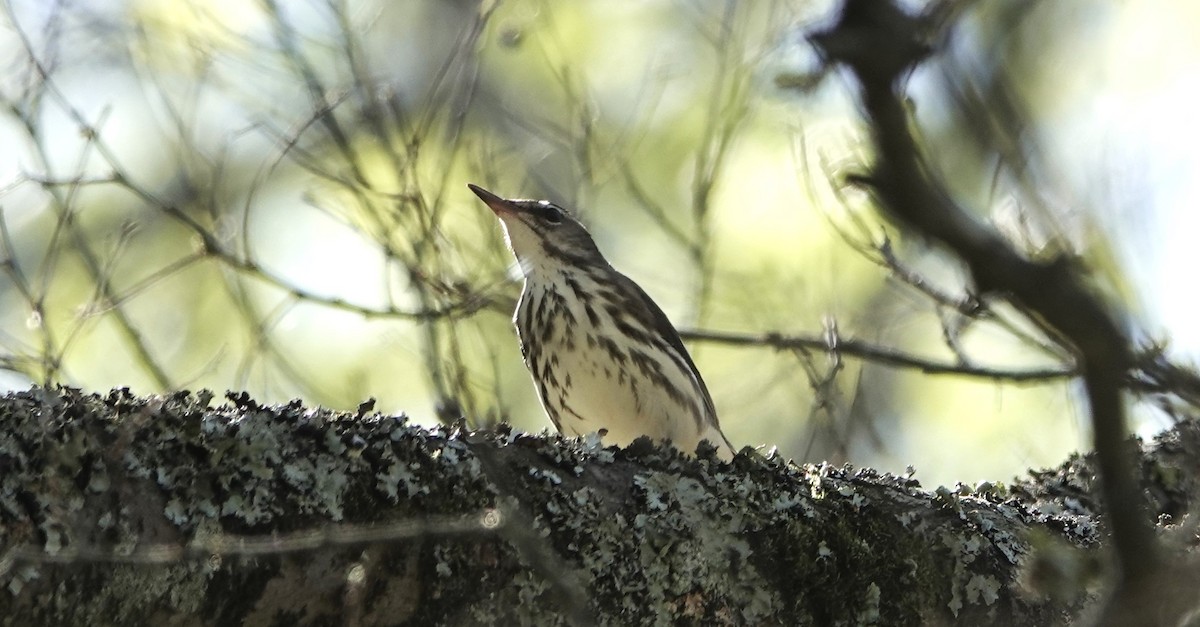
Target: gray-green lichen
[87,477]
[641,535]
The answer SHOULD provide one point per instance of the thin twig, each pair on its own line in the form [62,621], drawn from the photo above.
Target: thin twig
[878,354]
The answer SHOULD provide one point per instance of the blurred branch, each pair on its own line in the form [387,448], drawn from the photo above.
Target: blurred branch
[879,250]
[221,545]
[335,141]
[876,354]
[1155,374]
[880,44]
[63,205]
[211,247]
[1151,374]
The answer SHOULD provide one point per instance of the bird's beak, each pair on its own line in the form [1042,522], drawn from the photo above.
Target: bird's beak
[494,202]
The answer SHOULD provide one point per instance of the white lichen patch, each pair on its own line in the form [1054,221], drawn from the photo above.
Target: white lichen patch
[869,614]
[549,476]
[20,576]
[176,512]
[823,551]
[982,588]
[400,475]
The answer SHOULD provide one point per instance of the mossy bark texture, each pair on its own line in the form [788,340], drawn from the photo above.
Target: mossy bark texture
[184,510]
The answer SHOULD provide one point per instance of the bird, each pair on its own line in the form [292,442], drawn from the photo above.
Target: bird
[602,354]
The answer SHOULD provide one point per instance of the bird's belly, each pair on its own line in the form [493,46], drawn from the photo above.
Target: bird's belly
[599,391]
[603,395]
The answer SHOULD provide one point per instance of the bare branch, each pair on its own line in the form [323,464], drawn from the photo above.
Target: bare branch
[1052,291]
[877,354]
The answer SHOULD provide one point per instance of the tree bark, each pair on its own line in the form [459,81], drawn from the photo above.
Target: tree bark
[168,510]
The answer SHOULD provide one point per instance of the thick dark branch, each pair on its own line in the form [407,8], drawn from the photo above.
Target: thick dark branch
[880,44]
[116,508]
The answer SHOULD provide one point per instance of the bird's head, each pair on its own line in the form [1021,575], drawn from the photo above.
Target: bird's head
[541,234]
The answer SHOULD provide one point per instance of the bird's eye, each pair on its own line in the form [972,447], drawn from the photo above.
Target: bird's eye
[553,215]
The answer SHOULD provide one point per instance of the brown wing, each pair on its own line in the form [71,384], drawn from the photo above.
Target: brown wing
[661,325]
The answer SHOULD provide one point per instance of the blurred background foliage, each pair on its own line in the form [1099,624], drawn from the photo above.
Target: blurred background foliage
[270,196]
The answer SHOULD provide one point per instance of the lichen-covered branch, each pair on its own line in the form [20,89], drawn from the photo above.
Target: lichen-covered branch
[120,509]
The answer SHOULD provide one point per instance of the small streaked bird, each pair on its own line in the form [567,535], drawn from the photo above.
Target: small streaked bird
[602,354]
